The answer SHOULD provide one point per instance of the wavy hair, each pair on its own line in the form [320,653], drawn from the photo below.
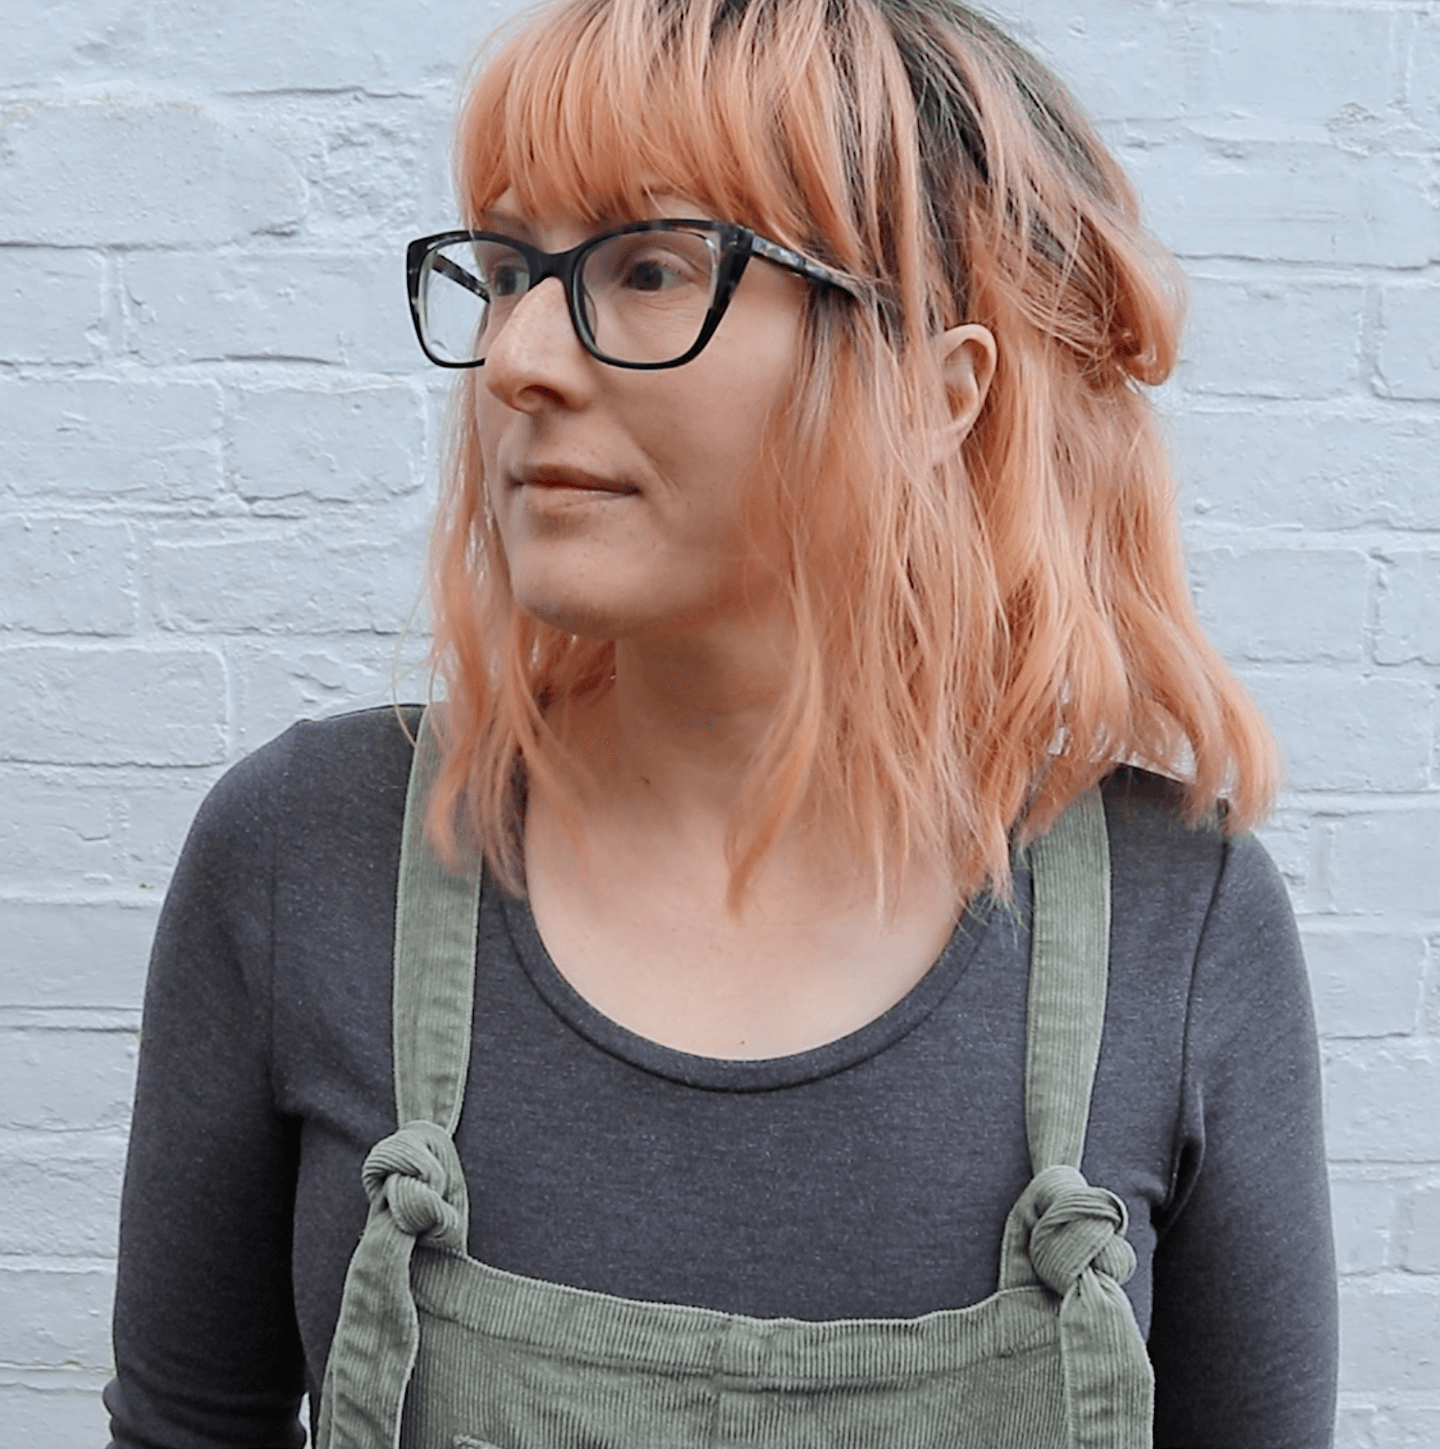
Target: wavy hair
[981,630]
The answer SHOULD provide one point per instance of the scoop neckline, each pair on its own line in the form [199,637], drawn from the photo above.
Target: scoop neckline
[749,1074]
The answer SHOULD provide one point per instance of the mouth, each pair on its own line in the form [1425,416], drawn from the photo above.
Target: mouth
[570,480]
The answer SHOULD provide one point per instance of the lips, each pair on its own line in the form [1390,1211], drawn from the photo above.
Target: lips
[569,480]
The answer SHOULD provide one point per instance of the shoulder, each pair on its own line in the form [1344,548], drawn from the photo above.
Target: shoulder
[1152,843]
[317,773]
[1190,892]
[363,750]
[1203,917]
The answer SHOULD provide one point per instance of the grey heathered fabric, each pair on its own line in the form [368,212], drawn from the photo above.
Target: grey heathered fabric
[868,1178]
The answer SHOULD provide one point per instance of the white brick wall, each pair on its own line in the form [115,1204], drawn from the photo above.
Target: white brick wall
[217,452]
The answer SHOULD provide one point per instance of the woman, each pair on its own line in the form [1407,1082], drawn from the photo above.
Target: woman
[808,556]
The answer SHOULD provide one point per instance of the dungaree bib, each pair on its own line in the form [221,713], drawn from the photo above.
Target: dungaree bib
[434,1350]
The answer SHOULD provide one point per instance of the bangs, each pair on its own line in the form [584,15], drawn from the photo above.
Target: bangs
[601,106]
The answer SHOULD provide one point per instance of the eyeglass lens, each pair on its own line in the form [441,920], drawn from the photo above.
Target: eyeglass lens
[645,294]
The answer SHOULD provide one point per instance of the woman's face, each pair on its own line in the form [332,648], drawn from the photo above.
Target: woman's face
[618,494]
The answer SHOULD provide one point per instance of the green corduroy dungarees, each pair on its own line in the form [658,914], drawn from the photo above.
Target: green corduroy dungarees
[434,1350]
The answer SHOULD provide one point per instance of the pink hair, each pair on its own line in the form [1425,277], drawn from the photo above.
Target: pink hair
[981,631]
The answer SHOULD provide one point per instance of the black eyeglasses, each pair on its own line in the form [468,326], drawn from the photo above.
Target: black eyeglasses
[647,295]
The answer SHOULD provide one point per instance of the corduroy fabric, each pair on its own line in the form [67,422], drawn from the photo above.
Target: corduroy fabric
[434,1350]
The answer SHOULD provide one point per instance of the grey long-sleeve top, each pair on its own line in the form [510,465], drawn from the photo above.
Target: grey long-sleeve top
[870,1177]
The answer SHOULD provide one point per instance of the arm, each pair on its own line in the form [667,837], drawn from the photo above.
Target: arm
[1243,1337]
[206,1348]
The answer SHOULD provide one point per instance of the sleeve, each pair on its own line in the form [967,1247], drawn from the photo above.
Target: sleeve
[207,1352]
[1244,1332]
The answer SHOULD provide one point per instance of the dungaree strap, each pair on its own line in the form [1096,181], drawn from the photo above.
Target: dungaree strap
[413,1177]
[436,917]
[1063,1232]
[1069,973]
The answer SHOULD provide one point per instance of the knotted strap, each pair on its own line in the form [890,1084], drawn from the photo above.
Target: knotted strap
[1078,1229]
[1062,1232]
[1072,1236]
[412,1178]
[414,1175]
[417,1194]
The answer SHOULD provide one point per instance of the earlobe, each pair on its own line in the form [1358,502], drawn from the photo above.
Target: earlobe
[967,363]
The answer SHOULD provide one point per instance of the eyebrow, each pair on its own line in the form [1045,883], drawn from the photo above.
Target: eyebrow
[516,225]
[507,222]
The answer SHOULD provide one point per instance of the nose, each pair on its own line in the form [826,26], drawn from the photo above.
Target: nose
[536,357]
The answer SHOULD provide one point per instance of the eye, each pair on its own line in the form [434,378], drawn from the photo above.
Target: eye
[650,264]
[505,280]
[502,272]
[657,272]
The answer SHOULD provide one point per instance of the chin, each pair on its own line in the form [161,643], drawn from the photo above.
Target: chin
[585,618]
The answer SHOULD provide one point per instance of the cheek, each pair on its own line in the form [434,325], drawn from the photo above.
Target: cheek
[727,420]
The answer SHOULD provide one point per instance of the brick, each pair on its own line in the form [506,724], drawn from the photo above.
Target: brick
[1286,835]
[135,171]
[1253,61]
[45,1407]
[1366,983]
[1385,863]
[56,1314]
[349,445]
[76,952]
[1432,992]
[326,307]
[1420,1234]
[155,816]
[1355,1426]
[1278,337]
[290,582]
[1409,612]
[59,1199]
[78,41]
[66,575]
[1278,604]
[1410,1426]
[1364,1218]
[52,306]
[1125,60]
[52,823]
[1389,1335]
[272,45]
[57,1079]
[1408,360]
[1424,94]
[99,828]
[1380,1101]
[1393,1424]
[1309,467]
[1326,723]
[1316,203]
[89,704]
[371,168]
[103,438]
[276,686]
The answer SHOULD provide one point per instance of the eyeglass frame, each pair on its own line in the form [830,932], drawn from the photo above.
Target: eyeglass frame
[737,245]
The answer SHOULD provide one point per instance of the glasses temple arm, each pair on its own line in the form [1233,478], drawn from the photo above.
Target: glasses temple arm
[457,273]
[795,262]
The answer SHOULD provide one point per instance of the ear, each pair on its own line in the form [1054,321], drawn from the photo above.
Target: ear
[967,363]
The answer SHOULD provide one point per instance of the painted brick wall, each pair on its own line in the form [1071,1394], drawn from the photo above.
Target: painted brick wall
[217,453]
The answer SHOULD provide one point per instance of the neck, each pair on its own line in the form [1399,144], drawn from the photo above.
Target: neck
[678,730]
